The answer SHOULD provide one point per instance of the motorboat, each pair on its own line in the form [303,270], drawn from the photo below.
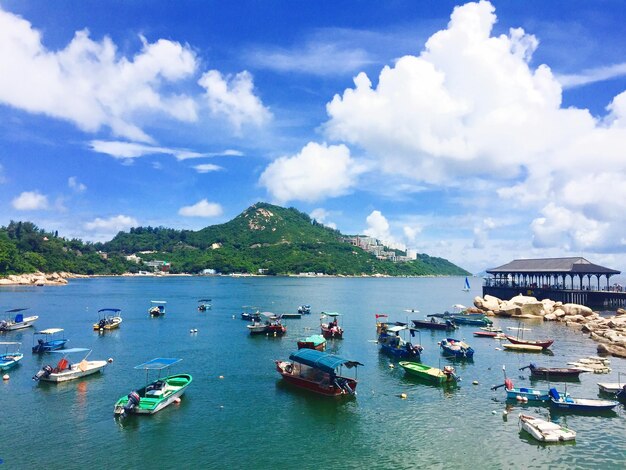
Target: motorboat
[204,305]
[545,431]
[47,341]
[318,372]
[64,370]
[156,394]
[392,344]
[158,308]
[253,316]
[434,324]
[110,319]
[456,348]
[488,334]
[582,405]
[430,374]
[11,355]
[15,320]
[523,394]
[317,342]
[304,309]
[523,347]
[331,329]
[553,373]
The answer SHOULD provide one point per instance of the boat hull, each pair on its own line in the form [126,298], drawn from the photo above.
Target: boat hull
[332,333]
[555,373]
[546,431]
[430,374]
[26,323]
[610,387]
[522,347]
[113,325]
[316,342]
[544,344]
[48,346]
[149,403]
[8,361]
[430,325]
[582,405]
[76,371]
[314,380]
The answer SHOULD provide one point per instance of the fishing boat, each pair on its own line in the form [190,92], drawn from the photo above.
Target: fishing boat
[158,308]
[257,327]
[545,431]
[519,339]
[47,341]
[488,334]
[250,314]
[204,305]
[11,355]
[582,405]
[64,370]
[317,342]
[460,316]
[466,286]
[393,345]
[430,374]
[318,372]
[456,348]
[276,328]
[269,324]
[331,330]
[434,324]
[156,394]
[523,394]
[15,320]
[304,309]
[552,373]
[110,319]
[522,347]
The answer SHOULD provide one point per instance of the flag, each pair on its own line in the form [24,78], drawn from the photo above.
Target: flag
[380,315]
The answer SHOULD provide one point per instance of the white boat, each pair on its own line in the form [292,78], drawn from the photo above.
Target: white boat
[545,431]
[610,387]
[158,308]
[18,322]
[65,370]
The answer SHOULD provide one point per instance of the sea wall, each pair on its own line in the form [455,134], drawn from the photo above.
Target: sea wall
[610,332]
[37,279]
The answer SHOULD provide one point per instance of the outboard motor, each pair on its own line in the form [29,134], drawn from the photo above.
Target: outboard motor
[133,401]
[44,372]
[102,323]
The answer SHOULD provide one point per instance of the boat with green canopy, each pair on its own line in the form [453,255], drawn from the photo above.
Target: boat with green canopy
[156,394]
[430,374]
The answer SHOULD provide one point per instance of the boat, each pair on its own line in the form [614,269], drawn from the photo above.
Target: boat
[268,324]
[488,334]
[517,328]
[621,395]
[253,316]
[466,287]
[317,342]
[456,348]
[491,329]
[331,330]
[291,316]
[204,305]
[64,370]
[318,372]
[110,319]
[582,405]
[47,342]
[18,321]
[519,339]
[461,317]
[158,308]
[257,327]
[552,373]
[545,431]
[522,347]
[431,374]
[275,327]
[156,394]
[433,324]
[610,387]
[304,309]
[393,345]
[523,394]
[10,358]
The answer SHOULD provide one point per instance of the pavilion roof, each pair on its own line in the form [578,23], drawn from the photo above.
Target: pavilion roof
[576,265]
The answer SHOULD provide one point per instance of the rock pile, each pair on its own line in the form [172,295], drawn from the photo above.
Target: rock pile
[36,279]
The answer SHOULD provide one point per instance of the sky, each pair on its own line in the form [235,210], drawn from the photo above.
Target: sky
[480,132]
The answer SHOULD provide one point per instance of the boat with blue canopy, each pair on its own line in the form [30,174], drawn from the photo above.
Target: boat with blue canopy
[110,319]
[392,344]
[15,320]
[11,355]
[47,341]
[318,372]
[204,305]
[156,394]
[158,308]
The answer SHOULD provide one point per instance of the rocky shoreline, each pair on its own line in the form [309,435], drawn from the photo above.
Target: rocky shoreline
[38,279]
[610,331]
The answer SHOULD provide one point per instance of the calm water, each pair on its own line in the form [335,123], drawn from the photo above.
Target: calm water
[250,419]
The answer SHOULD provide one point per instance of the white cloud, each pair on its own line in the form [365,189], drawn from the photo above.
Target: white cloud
[113,224]
[88,83]
[378,227]
[130,150]
[202,208]
[225,153]
[207,167]
[321,215]
[411,232]
[594,75]
[76,185]
[234,97]
[30,201]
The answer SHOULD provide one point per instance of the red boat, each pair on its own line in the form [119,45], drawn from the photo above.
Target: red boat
[331,330]
[544,343]
[317,371]
[485,334]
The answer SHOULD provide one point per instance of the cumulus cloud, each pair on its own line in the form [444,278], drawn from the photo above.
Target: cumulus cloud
[378,227]
[233,97]
[131,150]
[112,225]
[76,185]
[30,201]
[321,215]
[88,83]
[319,171]
[207,167]
[202,208]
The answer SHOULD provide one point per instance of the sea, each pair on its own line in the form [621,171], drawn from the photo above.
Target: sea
[238,413]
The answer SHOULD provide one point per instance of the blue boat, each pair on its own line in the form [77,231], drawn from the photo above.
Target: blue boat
[580,405]
[523,394]
[10,358]
[393,345]
[456,348]
[46,343]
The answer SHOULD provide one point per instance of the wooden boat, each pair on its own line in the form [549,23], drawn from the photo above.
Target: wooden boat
[522,347]
[10,358]
[276,328]
[456,348]
[317,342]
[431,374]
[158,308]
[545,431]
[433,324]
[156,394]
[65,371]
[304,309]
[204,305]
[393,345]
[552,373]
[582,405]
[318,372]
[543,343]
[18,321]
[331,330]
[47,342]
[110,319]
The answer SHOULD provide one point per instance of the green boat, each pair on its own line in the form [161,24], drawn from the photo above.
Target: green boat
[431,374]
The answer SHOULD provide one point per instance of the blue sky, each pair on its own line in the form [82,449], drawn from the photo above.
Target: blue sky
[480,132]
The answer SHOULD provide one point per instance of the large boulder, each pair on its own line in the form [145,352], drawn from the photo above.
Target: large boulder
[549,317]
[559,312]
[533,309]
[510,310]
[575,309]
[491,303]
[522,299]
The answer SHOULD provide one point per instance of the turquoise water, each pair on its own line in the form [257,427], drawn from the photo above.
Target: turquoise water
[250,419]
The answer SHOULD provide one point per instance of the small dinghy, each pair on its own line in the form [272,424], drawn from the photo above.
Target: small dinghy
[545,431]
[581,405]
[456,348]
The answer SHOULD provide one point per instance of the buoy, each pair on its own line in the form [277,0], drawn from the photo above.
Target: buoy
[504,413]
[493,412]
[191,331]
[177,400]
[525,399]
[221,407]
[518,398]
[5,377]
[475,382]
[110,360]
[195,330]
[233,317]
[403,396]
[221,377]
[497,349]
[391,366]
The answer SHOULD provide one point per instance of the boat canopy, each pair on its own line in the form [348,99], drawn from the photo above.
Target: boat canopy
[161,302]
[49,331]
[70,351]
[396,329]
[8,343]
[319,360]
[114,310]
[16,310]
[158,363]
[315,339]
[268,314]
[331,314]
